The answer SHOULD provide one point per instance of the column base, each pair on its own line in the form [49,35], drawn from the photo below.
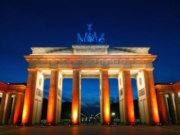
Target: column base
[74,124]
[107,123]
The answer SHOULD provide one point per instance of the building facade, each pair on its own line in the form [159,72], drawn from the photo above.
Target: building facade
[12,98]
[169,103]
[90,61]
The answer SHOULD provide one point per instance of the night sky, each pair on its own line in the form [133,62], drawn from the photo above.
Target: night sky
[50,23]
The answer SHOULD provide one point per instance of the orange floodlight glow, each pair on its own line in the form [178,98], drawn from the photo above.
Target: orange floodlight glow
[131,113]
[17,110]
[107,113]
[26,110]
[129,99]
[50,110]
[106,98]
[130,107]
[153,100]
[75,99]
[75,116]
[74,113]
[155,114]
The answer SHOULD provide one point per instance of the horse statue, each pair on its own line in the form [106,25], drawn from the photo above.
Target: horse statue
[95,37]
[101,40]
[85,37]
[79,38]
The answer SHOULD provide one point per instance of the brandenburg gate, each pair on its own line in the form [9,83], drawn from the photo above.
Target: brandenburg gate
[90,61]
[90,58]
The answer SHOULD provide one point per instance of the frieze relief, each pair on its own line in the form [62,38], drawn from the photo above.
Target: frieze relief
[121,92]
[90,50]
[142,92]
[38,92]
[103,63]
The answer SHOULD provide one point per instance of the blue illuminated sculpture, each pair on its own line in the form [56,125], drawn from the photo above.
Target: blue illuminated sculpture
[90,38]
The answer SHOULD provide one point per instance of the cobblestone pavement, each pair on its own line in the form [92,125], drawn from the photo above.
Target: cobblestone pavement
[90,130]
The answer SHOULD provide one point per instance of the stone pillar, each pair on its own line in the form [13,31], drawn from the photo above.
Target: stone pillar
[75,98]
[167,109]
[101,112]
[52,99]
[177,106]
[162,108]
[18,108]
[59,97]
[12,110]
[130,117]
[7,109]
[105,97]
[79,97]
[2,107]
[172,109]
[151,93]
[29,97]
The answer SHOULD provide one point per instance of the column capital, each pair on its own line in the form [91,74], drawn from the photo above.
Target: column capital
[176,92]
[125,69]
[31,69]
[149,69]
[20,92]
[104,69]
[54,69]
[3,92]
[76,69]
[160,92]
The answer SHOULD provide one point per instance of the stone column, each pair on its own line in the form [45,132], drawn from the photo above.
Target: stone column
[167,109]
[79,97]
[101,107]
[12,110]
[105,97]
[59,97]
[52,99]
[151,93]
[7,109]
[18,108]
[75,98]
[29,97]
[172,109]
[177,106]
[128,97]
[162,108]
[2,107]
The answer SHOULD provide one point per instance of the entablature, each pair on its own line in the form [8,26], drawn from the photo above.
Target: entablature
[84,61]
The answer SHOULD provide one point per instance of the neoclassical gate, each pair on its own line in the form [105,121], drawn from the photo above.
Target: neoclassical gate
[95,61]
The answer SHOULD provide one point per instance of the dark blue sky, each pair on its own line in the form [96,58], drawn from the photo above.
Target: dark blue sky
[51,23]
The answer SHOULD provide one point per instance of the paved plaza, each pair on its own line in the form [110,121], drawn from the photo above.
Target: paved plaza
[90,130]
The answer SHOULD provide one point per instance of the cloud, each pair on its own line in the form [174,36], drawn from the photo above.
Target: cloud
[90,102]
[114,99]
[66,99]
